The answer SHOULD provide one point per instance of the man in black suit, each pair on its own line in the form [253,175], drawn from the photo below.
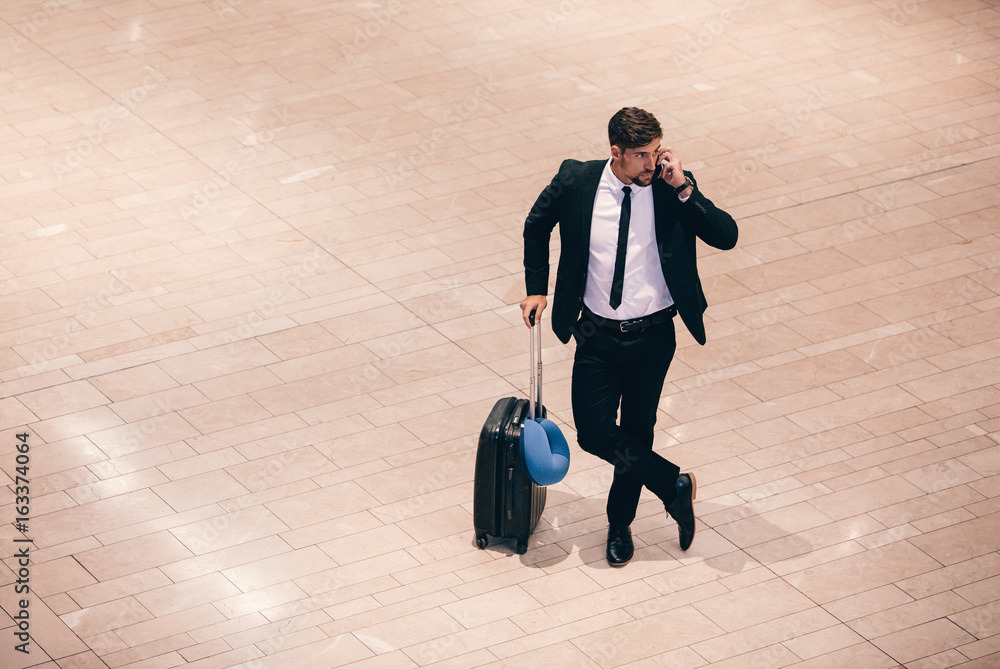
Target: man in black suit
[628,264]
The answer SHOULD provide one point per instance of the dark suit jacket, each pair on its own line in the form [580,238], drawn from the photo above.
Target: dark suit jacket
[569,201]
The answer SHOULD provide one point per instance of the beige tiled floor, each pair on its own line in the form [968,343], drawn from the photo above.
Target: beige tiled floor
[259,269]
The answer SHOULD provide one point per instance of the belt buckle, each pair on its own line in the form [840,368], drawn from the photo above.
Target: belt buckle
[629,326]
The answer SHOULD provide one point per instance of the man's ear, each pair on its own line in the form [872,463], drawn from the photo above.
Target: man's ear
[616,152]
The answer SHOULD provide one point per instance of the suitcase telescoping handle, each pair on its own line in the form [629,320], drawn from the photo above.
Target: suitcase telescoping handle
[535,383]
[546,453]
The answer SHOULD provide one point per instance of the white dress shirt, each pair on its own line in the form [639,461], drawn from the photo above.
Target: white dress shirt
[645,291]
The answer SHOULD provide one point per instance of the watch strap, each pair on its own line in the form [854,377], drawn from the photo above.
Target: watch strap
[680,189]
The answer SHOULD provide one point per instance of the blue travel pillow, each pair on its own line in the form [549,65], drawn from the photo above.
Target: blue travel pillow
[545,451]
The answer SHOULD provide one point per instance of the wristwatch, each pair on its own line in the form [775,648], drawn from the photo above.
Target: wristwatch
[687,182]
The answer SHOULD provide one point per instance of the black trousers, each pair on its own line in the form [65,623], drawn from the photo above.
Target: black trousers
[613,369]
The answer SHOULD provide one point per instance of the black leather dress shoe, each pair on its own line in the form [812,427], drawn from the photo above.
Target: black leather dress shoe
[682,509]
[620,547]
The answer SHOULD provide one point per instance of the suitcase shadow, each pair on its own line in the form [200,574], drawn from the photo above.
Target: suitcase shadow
[567,515]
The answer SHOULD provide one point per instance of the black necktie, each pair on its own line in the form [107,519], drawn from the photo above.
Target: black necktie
[618,283]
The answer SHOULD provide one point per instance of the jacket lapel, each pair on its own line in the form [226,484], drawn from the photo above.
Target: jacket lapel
[662,215]
[588,183]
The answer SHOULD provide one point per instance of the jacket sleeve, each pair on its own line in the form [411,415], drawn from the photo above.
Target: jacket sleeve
[538,226]
[712,225]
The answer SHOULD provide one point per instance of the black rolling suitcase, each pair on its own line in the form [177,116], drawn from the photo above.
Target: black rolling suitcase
[506,503]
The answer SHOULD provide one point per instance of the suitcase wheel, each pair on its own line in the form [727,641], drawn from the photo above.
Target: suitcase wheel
[522,547]
[482,541]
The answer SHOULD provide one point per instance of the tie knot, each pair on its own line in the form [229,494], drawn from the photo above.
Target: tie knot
[627,191]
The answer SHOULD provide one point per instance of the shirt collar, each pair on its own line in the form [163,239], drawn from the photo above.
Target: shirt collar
[614,184]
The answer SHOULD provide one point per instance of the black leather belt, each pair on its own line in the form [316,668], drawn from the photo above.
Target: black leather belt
[631,325]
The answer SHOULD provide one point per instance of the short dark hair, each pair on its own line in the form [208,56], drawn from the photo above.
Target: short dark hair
[632,127]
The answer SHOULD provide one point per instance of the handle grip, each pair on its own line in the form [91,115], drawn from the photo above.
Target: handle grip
[535,382]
